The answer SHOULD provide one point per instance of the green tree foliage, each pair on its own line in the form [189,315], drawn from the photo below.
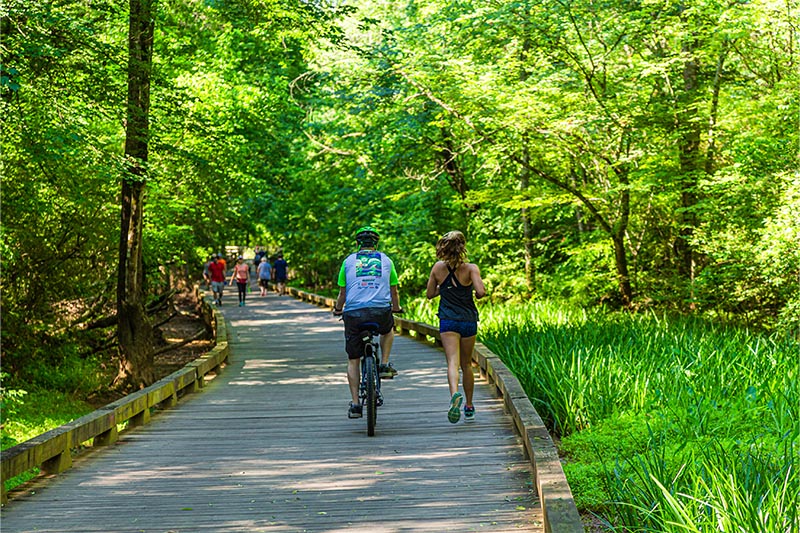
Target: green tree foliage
[62,99]
[611,132]
[580,147]
[223,130]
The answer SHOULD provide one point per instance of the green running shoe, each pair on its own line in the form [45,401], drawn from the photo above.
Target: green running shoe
[454,413]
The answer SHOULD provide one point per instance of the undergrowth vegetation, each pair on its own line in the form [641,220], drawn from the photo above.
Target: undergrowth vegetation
[666,424]
[27,414]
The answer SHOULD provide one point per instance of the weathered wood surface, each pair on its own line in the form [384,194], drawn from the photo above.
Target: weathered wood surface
[267,446]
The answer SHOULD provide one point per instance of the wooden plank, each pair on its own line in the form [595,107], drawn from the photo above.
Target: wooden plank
[267,446]
[53,449]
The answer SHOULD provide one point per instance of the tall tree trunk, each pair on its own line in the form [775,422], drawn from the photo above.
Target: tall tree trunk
[690,155]
[711,150]
[623,275]
[527,230]
[448,157]
[134,331]
[525,175]
[691,159]
[618,232]
[455,176]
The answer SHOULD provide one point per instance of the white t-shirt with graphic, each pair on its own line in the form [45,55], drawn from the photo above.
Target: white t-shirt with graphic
[367,276]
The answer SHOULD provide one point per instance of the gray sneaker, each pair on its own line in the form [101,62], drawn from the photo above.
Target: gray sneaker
[354,411]
[388,371]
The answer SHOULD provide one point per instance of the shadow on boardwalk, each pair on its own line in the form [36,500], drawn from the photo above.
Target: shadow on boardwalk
[267,446]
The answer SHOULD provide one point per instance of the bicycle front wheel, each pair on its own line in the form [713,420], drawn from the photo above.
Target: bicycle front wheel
[371,377]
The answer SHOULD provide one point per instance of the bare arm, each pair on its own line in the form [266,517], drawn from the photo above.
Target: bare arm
[432,290]
[395,298]
[477,282]
[339,305]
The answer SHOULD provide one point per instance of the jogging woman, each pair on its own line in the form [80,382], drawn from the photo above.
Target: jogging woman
[454,280]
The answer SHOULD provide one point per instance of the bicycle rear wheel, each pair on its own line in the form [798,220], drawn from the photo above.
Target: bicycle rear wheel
[371,377]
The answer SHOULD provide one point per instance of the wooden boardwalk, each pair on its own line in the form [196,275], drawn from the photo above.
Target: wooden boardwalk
[267,447]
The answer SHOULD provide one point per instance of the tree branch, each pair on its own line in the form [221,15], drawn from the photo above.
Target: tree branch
[605,224]
[194,337]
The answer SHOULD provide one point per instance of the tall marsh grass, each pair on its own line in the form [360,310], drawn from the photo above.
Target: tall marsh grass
[721,407]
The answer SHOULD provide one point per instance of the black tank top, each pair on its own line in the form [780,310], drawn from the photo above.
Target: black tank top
[455,302]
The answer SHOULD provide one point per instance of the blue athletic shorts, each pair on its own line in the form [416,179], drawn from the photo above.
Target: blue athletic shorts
[463,328]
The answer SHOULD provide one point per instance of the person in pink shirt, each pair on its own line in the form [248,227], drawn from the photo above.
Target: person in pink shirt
[241,274]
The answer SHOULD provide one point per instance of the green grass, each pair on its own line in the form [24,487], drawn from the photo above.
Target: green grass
[666,424]
[33,413]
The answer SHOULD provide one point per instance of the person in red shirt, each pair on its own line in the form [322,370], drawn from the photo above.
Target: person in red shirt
[216,271]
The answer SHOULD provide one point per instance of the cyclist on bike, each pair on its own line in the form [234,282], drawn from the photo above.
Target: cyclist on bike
[367,293]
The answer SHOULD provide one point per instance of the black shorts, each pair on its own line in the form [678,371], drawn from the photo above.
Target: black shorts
[353,319]
[263,283]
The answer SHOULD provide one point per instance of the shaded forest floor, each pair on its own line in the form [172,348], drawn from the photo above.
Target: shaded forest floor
[185,322]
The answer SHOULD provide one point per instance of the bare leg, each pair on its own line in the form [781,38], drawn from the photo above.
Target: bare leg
[386,346]
[451,342]
[354,378]
[467,346]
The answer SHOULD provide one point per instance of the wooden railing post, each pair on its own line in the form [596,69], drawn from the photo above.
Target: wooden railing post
[107,437]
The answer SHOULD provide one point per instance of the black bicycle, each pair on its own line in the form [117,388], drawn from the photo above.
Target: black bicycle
[369,390]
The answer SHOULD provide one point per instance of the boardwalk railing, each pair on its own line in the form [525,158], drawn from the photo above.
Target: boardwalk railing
[52,451]
[558,505]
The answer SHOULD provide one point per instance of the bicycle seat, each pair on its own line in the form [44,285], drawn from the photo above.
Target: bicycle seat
[368,326]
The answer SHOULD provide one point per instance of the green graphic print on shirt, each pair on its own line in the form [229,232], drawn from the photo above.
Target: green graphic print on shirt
[368,264]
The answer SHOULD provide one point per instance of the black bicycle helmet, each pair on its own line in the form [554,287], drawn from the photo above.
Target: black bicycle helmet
[367,237]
